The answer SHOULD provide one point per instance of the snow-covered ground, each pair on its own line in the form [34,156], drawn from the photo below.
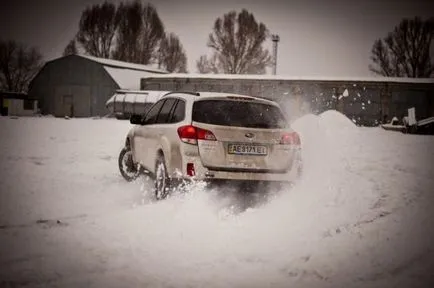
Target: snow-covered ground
[360,217]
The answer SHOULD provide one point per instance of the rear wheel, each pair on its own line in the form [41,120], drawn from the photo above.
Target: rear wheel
[162,183]
[129,170]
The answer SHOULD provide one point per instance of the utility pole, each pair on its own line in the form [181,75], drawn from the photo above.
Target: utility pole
[275,38]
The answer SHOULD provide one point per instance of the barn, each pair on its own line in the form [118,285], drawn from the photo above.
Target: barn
[80,85]
[367,101]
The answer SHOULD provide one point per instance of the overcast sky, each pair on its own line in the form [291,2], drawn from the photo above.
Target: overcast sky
[317,37]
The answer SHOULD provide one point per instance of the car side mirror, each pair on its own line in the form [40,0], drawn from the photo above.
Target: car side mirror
[136,119]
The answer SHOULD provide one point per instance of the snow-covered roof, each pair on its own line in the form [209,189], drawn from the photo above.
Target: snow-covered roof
[126,78]
[126,75]
[15,95]
[122,64]
[294,78]
[136,96]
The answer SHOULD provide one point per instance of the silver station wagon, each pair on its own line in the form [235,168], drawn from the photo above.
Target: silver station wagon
[212,137]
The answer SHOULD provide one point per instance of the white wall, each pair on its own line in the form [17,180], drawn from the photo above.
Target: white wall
[16,108]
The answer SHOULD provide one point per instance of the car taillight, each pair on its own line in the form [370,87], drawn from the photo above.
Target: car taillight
[187,134]
[203,134]
[190,169]
[190,134]
[291,139]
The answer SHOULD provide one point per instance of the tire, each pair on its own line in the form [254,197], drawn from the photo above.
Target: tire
[129,170]
[162,183]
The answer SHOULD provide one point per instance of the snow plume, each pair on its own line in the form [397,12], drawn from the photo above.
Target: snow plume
[196,237]
[328,145]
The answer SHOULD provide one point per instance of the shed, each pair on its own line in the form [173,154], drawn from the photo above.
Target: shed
[17,104]
[80,85]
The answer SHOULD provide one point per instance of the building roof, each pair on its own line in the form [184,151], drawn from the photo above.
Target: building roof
[293,78]
[126,75]
[127,78]
[121,64]
[15,95]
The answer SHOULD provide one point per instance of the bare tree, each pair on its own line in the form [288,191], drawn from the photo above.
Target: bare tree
[18,65]
[405,52]
[129,30]
[97,29]
[139,34]
[172,56]
[153,33]
[71,48]
[205,65]
[202,65]
[237,44]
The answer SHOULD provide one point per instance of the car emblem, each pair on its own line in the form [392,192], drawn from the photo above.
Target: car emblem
[250,135]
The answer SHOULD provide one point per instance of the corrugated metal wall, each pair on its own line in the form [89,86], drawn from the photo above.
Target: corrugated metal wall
[367,103]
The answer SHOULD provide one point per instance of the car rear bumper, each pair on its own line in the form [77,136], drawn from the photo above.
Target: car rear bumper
[202,173]
[290,176]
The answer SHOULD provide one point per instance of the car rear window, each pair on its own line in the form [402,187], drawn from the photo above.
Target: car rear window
[238,113]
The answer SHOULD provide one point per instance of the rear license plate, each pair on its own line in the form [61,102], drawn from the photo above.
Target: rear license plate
[247,149]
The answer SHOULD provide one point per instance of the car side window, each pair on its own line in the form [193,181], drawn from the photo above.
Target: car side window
[163,116]
[179,112]
[152,115]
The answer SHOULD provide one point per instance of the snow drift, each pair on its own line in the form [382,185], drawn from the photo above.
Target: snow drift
[339,226]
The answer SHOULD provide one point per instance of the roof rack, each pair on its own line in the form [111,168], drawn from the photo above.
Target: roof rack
[131,91]
[183,92]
